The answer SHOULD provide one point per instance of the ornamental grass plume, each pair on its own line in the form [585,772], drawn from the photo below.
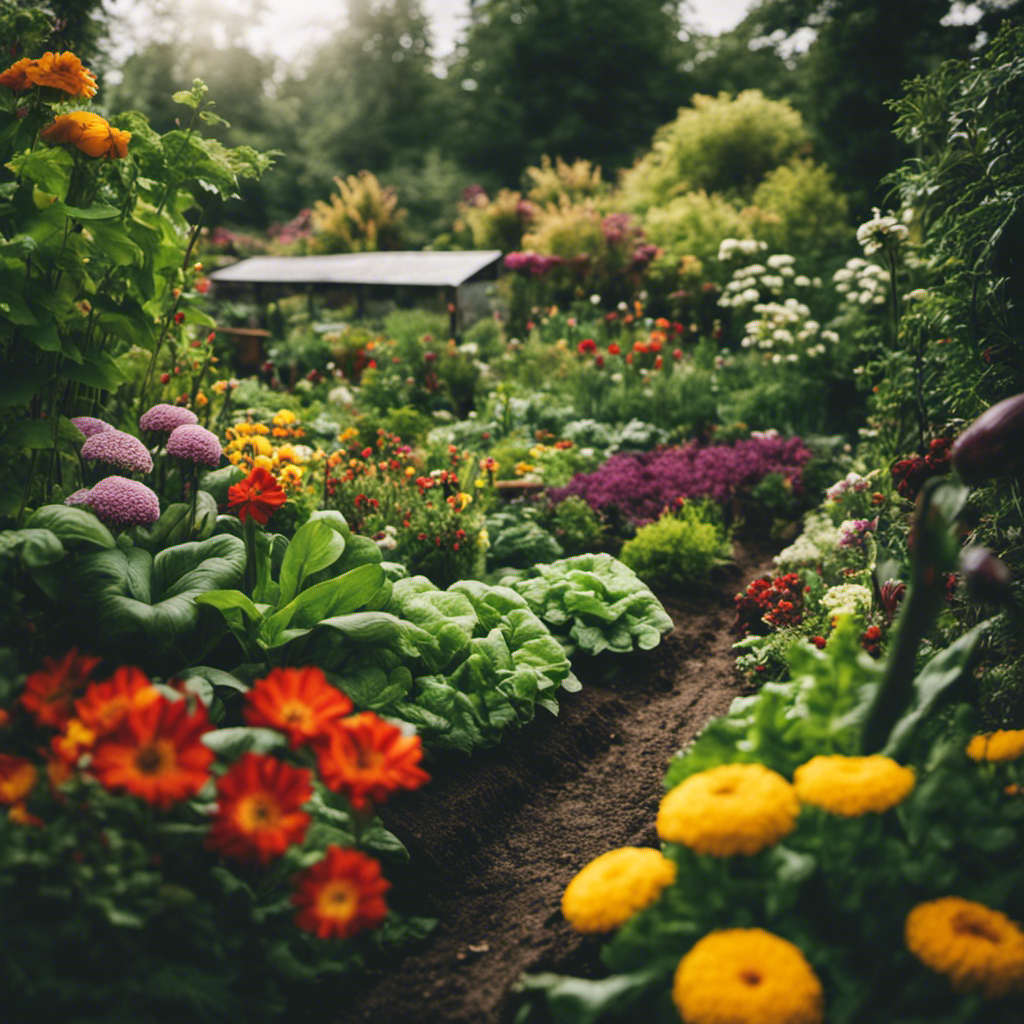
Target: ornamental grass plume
[747,976]
[1000,746]
[979,949]
[259,809]
[119,501]
[299,702]
[193,443]
[88,132]
[853,786]
[340,896]
[156,753]
[163,418]
[90,425]
[366,759]
[728,810]
[119,450]
[50,692]
[614,886]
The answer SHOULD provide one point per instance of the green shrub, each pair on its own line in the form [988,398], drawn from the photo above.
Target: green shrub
[677,551]
[577,526]
[362,216]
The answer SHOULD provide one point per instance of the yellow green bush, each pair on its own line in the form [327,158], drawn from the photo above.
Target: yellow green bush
[362,216]
[551,181]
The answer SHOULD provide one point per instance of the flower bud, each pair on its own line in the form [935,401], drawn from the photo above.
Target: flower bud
[991,445]
[987,577]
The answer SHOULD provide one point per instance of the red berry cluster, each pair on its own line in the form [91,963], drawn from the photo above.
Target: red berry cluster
[909,475]
[770,603]
[871,641]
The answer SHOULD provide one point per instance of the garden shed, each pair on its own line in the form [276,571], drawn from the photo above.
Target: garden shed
[455,275]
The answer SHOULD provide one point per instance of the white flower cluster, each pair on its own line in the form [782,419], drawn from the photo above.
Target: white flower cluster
[786,329]
[813,546]
[861,283]
[847,599]
[752,284]
[851,482]
[874,233]
[747,246]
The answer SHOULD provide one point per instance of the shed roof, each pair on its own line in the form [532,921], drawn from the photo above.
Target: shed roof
[417,269]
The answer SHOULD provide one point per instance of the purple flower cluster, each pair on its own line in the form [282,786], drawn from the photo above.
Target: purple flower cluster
[193,443]
[118,449]
[119,502]
[640,485]
[531,264]
[163,418]
[90,425]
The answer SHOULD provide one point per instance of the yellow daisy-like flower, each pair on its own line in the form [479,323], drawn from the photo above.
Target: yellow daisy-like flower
[522,468]
[729,810]
[747,976]
[263,462]
[1004,745]
[347,434]
[852,786]
[976,947]
[614,886]
[284,418]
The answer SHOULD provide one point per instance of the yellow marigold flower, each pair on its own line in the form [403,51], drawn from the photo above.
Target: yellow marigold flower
[729,810]
[852,786]
[1004,745]
[17,778]
[612,888]
[261,446]
[16,76]
[219,387]
[347,434]
[283,418]
[747,976]
[263,462]
[522,468]
[89,132]
[287,453]
[976,947]
[62,71]
[201,399]
[260,428]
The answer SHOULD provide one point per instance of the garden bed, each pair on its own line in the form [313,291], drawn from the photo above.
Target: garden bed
[494,842]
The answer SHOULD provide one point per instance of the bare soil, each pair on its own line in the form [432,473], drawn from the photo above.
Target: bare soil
[494,839]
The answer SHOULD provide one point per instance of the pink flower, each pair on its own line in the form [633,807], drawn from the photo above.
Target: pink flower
[89,425]
[163,418]
[122,502]
[118,449]
[193,443]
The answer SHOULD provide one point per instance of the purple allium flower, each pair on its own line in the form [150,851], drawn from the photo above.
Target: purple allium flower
[193,443]
[80,497]
[122,502]
[118,449]
[89,425]
[163,418]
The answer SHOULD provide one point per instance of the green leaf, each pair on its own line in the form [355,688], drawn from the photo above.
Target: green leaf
[172,526]
[21,382]
[114,245]
[72,525]
[582,1001]
[98,211]
[217,677]
[233,743]
[49,168]
[38,434]
[371,688]
[36,548]
[331,598]
[314,547]
[224,600]
[197,316]
[101,372]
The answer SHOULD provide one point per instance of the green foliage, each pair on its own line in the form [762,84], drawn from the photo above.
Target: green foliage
[576,181]
[496,223]
[362,216]
[577,526]
[719,144]
[679,550]
[517,540]
[594,603]
[694,224]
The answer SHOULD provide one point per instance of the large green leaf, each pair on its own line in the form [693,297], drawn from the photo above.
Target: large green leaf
[172,526]
[315,546]
[72,525]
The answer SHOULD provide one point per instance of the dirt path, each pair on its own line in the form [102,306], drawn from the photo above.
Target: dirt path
[495,840]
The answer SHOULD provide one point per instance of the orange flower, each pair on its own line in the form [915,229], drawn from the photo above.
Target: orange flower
[259,814]
[90,133]
[17,778]
[16,76]
[340,896]
[259,495]
[19,815]
[366,759]
[297,701]
[50,693]
[62,71]
[105,705]
[69,746]
[156,753]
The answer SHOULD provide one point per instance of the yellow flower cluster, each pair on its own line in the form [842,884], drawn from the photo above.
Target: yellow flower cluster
[729,810]
[853,786]
[614,886]
[747,976]
[1004,745]
[249,447]
[977,948]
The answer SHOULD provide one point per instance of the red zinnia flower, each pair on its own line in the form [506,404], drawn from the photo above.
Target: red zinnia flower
[106,705]
[613,349]
[259,495]
[50,693]
[586,346]
[259,814]
[340,896]
[297,701]
[366,759]
[156,753]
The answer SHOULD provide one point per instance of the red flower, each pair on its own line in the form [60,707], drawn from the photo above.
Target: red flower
[156,753]
[586,346]
[50,693]
[340,896]
[259,809]
[297,701]
[366,759]
[259,495]
[106,705]
[613,349]
[17,778]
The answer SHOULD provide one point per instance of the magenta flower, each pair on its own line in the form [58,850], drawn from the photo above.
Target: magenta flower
[118,449]
[193,443]
[123,502]
[163,418]
[89,425]
[79,497]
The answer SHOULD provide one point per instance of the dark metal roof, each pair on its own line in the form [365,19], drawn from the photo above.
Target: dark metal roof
[418,269]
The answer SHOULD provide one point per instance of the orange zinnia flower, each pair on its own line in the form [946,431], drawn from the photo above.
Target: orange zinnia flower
[17,778]
[259,814]
[106,704]
[340,896]
[297,701]
[366,759]
[156,753]
[62,71]
[16,76]
[90,133]
[50,693]
[259,495]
